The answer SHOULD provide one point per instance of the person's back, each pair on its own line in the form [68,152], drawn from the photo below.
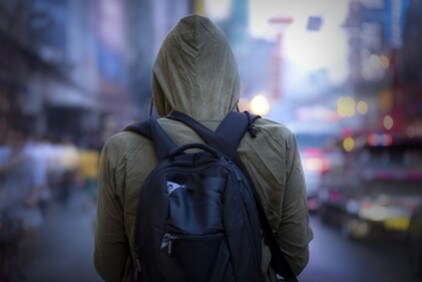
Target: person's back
[195,73]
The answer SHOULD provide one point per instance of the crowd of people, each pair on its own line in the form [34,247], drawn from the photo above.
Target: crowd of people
[35,173]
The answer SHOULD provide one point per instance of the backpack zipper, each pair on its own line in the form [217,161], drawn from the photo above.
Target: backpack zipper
[168,243]
[138,268]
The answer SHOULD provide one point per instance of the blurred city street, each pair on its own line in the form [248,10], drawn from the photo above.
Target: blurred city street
[334,258]
[65,251]
[65,248]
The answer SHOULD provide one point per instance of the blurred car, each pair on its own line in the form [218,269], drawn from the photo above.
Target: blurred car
[415,241]
[377,189]
[316,144]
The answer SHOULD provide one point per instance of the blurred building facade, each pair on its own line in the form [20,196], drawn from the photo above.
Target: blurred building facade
[384,68]
[410,68]
[85,65]
[77,67]
[38,70]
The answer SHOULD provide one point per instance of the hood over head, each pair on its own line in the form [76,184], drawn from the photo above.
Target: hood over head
[195,71]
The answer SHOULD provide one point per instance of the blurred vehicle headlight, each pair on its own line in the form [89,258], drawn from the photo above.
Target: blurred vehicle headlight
[393,218]
[316,164]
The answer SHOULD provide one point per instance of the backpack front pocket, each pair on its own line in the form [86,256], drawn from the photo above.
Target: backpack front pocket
[196,257]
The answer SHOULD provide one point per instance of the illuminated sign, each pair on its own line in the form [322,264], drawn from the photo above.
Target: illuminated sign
[395,21]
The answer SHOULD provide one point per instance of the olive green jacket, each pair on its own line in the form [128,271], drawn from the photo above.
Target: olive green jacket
[195,73]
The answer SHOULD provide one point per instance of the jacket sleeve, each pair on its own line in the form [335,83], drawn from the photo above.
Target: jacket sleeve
[294,232]
[111,244]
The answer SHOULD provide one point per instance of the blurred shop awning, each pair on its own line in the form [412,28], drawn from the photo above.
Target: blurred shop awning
[65,95]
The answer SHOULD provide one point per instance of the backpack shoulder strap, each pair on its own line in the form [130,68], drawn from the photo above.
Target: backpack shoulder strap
[234,126]
[152,130]
[232,129]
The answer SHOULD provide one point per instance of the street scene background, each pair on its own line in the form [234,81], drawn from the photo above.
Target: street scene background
[344,75]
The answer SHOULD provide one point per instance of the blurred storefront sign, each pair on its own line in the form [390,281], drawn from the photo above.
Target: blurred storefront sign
[395,20]
[110,64]
[47,25]
[110,23]
[110,40]
[314,23]
[394,28]
[110,48]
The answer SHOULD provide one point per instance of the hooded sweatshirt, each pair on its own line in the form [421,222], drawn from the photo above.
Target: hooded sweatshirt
[195,72]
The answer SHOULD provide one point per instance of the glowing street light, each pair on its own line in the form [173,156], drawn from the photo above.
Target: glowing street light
[260,105]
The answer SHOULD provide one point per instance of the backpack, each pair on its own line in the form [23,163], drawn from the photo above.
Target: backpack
[199,218]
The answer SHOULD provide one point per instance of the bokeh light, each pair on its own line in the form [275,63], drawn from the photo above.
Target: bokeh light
[260,105]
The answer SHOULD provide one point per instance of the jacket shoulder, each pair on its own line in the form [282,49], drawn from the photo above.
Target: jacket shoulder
[125,141]
[275,130]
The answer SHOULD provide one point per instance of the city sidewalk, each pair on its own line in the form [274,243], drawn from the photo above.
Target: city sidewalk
[65,246]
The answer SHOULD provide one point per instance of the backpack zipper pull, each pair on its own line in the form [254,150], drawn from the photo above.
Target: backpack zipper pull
[168,243]
[138,268]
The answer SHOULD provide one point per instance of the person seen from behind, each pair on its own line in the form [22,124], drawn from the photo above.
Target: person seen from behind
[196,73]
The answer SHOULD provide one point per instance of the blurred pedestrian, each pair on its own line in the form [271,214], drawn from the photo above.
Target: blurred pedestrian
[70,163]
[54,167]
[89,160]
[23,182]
[40,148]
[195,73]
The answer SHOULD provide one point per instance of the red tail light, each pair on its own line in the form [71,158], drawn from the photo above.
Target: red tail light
[314,160]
